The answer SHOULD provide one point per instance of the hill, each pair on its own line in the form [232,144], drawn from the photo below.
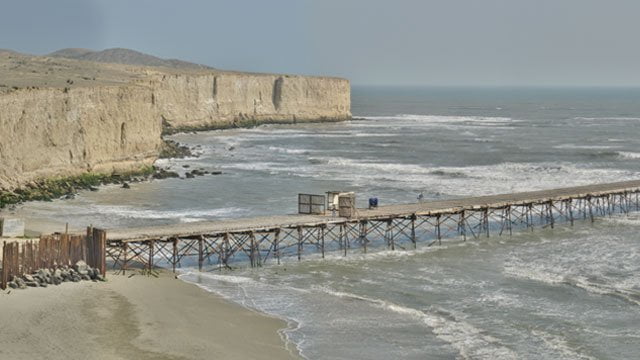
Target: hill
[124,56]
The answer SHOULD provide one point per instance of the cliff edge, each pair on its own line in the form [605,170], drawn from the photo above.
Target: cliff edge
[64,117]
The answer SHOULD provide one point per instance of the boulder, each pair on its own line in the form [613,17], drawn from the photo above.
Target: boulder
[44,272]
[82,268]
[13,284]
[20,282]
[28,278]
[85,277]
[93,273]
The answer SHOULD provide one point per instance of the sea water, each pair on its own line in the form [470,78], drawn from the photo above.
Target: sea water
[566,293]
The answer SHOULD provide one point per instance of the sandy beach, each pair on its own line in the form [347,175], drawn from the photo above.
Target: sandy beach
[134,318]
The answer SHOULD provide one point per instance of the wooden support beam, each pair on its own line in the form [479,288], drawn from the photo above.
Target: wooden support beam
[389,233]
[529,216]
[486,219]
[152,244]
[252,250]
[510,223]
[200,252]
[225,249]
[413,231]
[300,240]
[363,235]
[343,238]
[462,224]
[322,228]
[570,210]
[125,248]
[174,257]
[627,203]
[276,241]
[438,229]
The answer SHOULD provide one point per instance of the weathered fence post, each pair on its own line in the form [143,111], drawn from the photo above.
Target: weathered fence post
[5,268]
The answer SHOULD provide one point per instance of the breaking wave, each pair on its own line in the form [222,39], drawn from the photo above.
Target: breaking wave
[469,341]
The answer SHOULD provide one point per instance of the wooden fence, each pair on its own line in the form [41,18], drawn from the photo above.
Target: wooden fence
[53,251]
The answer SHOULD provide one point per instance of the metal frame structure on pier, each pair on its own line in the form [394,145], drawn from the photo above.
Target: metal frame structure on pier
[260,240]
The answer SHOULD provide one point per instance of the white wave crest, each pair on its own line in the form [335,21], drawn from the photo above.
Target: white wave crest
[584,147]
[188,215]
[613,118]
[469,341]
[461,180]
[487,120]
[284,150]
[629,155]
[561,346]
[533,274]
[548,277]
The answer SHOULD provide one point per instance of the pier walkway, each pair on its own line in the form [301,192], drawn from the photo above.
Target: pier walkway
[402,226]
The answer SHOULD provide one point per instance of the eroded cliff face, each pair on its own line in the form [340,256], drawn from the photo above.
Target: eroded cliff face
[53,132]
[65,132]
[231,99]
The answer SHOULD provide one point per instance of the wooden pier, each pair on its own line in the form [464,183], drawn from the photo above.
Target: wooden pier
[259,240]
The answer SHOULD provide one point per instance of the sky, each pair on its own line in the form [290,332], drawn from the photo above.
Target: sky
[370,42]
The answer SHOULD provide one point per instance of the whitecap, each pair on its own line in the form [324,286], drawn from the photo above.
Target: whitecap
[469,341]
[584,147]
[188,215]
[629,155]
[561,346]
[612,118]
[284,150]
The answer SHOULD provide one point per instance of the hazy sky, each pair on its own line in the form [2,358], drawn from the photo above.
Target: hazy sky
[400,42]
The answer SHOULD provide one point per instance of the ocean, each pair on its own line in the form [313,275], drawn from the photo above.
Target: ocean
[563,293]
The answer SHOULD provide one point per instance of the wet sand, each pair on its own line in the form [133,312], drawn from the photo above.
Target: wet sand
[134,318]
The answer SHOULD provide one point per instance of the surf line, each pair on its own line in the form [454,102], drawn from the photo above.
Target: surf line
[259,240]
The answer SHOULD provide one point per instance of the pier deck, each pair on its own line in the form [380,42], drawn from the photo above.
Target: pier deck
[259,238]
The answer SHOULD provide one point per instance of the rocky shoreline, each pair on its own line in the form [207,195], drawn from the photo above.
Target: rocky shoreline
[168,129]
[67,188]
[45,277]
[50,189]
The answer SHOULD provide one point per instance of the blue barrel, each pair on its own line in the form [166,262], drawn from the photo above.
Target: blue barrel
[373,202]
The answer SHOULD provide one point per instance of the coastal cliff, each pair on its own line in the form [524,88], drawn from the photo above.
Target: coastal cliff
[62,118]
[223,100]
[66,132]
